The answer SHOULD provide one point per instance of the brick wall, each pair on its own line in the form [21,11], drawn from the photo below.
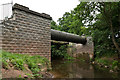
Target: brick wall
[82,51]
[27,32]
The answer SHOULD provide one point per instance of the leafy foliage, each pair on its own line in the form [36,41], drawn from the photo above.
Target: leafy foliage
[59,51]
[97,19]
[18,61]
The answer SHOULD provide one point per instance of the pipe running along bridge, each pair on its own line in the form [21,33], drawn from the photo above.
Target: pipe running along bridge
[27,31]
[68,37]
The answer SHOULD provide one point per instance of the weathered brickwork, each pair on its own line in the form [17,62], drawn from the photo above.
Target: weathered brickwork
[82,51]
[27,32]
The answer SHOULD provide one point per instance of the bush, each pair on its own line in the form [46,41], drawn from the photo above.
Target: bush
[60,51]
[114,64]
[19,60]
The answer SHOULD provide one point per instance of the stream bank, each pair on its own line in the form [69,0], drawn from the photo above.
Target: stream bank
[24,66]
[79,69]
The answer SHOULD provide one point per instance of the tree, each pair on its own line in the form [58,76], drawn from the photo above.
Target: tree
[55,26]
[98,19]
[110,15]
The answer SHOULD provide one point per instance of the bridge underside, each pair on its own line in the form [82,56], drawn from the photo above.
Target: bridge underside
[68,37]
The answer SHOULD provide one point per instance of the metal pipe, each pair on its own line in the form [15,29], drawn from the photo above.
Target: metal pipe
[64,36]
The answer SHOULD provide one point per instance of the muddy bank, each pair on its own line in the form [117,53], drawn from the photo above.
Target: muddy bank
[24,66]
[110,63]
[26,73]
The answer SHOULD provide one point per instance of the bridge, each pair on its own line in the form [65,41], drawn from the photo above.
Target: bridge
[29,32]
[64,36]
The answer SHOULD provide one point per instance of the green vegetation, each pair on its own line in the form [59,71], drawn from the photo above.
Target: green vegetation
[114,65]
[18,61]
[97,19]
[105,62]
[60,51]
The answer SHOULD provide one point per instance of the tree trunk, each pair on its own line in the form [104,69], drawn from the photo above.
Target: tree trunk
[114,42]
[113,37]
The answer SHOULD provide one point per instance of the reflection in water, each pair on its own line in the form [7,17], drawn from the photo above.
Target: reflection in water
[78,69]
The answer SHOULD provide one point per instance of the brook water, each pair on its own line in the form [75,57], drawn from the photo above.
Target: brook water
[79,69]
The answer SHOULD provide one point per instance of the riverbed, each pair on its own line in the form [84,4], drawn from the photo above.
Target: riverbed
[79,69]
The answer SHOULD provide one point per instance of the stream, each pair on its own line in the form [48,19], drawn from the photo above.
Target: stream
[79,69]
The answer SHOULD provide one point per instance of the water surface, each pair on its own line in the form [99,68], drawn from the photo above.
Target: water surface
[79,69]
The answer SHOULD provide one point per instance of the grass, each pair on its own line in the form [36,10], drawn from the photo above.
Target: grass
[19,60]
[113,63]
[105,62]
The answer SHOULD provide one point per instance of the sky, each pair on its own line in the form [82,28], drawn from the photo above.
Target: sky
[55,8]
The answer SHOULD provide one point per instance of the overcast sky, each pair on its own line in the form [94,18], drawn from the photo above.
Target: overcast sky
[55,8]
